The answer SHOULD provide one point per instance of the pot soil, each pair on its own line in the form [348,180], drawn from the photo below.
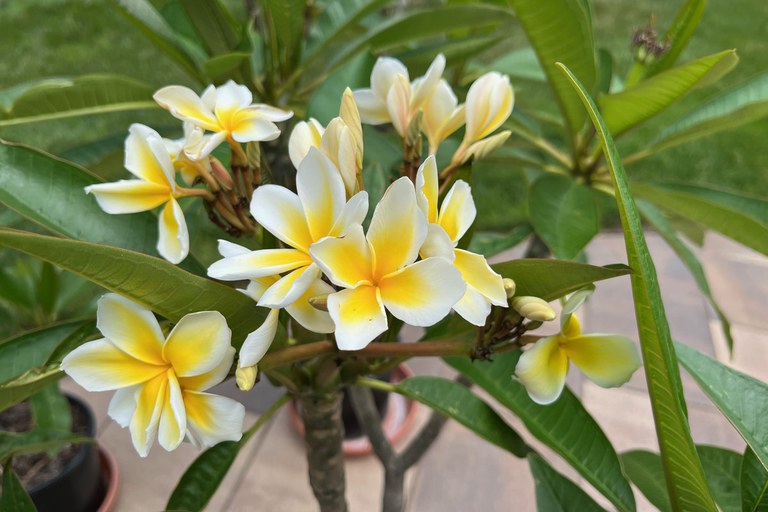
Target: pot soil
[78,475]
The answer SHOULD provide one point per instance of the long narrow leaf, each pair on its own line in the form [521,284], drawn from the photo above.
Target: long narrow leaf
[556,492]
[754,483]
[686,481]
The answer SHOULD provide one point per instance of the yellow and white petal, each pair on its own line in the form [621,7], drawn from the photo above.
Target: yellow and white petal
[353,214]
[288,289]
[570,327]
[542,370]
[150,401]
[280,212]
[258,286]
[257,343]
[399,104]
[427,188]
[230,98]
[129,196]
[173,420]
[230,250]
[199,145]
[305,135]
[438,109]
[457,213]
[209,379]
[184,104]
[249,126]
[347,261]
[428,82]
[359,316]
[321,192]
[309,316]
[422,294]
[255,264]
[489,103]
[131,328]
[100,366]
[607,360]
[457,119]
[373,109]
[398,228]
[173,239]
[385,72]
[122,405]
[479,275]
[212,419]
[147,156]
[473,307]
[437,244]
[269,112]
[347,160]
[208,97]
[198,343]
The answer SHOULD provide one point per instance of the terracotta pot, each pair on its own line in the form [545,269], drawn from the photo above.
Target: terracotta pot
[398,418]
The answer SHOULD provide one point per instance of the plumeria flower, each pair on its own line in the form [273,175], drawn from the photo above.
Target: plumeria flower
[442,115]
[160,382]
[341,142]
[187,168]
[257,343]
[227,111]
[147,158]
[378,271]
[393,98]
[446,227]
[608,360]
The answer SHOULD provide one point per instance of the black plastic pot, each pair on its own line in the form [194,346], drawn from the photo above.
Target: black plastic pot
[80,487]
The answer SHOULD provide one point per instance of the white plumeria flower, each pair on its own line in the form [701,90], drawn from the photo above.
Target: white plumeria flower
[608,360]
[442,115]
[377,270]
[147,158]
[227,111]
[160,382]
[341,141]
[257,343]
[489,103]
[187,168]
[392,97]
[447,226]
[319,210]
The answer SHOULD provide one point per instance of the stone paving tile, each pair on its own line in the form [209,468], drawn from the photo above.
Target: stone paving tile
[750,353]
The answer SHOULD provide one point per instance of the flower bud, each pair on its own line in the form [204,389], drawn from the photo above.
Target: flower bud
[351,117]
[482,148]
[246,377]
[319,302]
[534,308]
[509,287]
[305,135]
[489,103]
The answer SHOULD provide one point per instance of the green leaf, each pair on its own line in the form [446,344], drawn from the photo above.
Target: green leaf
[35,441]
[742,399]
[28,383]
[49,192]
[284,24]
[565,426]
[572,43]
[201,479]
[489,244]
[214,25]
[552,279]
[662,226]
[564,214]
[29,349]
[459,403]
[730,109]
[164,288]
[50,409]
[86,95]
[554,492]
[15,497]
[48,287]
[628,108]
[685,477]
[224,66]
[86,332]
[754,483]
[722,468]
[520,64]
[737,216]
[152,24]
[646,471]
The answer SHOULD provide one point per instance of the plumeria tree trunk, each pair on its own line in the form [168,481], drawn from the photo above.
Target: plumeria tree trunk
[323,436]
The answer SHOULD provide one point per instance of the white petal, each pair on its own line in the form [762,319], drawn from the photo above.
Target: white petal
[479,275]
[398,104]
[122,405]
[212,419]
[309,316]
[607,360]
[288,289]
[422,294]
[542,370]
[427,188]
[211,378]
[270,113]
[150,400]
[473,307]
[358,315]
[305,135]
[280,212]
[199,146]
[131,328]
[437,244]
[373,109]
[230,250]
[457,213]
[258,286]
[384,74]
[147,156]
[173,420]
[231,97]
[129,196]
[347,261]
[184,104]
[353,214]
[428,82]
[173,239]
[197,343]
[261,263]
[250,127]
[257,343]
[321,192]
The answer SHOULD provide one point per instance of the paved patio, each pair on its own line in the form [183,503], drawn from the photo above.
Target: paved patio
[461,471]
